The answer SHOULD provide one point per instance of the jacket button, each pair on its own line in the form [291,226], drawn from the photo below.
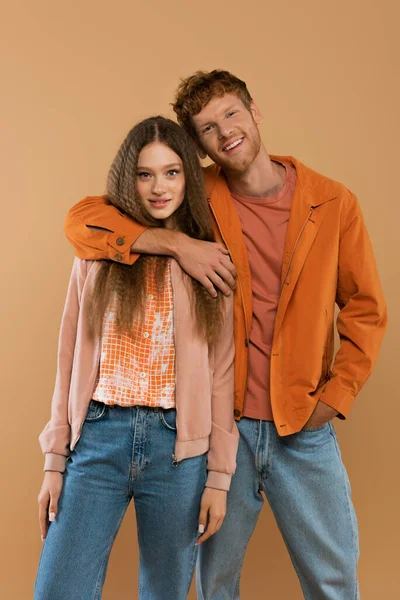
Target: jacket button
[120,241]
[118,256]
[237,412]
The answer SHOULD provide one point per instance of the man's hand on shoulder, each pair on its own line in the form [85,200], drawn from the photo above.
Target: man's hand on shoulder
[209,263]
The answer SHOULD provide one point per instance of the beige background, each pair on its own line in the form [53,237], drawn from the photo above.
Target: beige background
[75,76]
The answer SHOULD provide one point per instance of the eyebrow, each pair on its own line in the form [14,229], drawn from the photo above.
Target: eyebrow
[164,166]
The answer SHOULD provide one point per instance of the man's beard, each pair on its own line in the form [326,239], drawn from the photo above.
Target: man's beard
[241,165]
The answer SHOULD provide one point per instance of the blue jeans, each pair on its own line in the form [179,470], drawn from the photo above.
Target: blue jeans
[306,485]
[124,453]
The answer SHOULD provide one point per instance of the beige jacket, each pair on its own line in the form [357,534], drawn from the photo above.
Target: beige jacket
[204,381]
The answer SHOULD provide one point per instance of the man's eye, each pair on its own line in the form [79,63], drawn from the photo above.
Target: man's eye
[230,114]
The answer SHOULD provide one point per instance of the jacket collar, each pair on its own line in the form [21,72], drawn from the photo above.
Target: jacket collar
[315,189]
[312,190]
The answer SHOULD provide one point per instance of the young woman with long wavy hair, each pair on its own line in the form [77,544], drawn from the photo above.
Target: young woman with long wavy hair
[143,400]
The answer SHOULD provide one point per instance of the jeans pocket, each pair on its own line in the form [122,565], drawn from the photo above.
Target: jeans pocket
[314,429]
[95,411]
[168,418]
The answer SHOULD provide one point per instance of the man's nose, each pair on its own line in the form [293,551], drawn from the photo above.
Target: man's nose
[225,131]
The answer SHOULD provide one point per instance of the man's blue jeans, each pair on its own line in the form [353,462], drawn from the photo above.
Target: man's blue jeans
[124,453]
[306,485]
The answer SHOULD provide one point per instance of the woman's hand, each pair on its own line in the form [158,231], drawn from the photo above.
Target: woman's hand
[212,513]
[48,500]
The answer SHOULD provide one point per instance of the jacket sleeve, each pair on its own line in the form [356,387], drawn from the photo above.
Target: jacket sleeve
[98,230]
[362,318]
[224,439]
[55,437]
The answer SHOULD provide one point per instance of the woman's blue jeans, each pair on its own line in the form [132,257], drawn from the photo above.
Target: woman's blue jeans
[124,453]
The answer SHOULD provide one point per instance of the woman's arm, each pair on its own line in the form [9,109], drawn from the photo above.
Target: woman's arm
[221,459]
[55,437]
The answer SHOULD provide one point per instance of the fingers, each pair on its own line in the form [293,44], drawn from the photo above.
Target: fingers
[218,282]
[221,248]
[48,501]
[213,526]
[53,508]
[227,264]
[43,501]
[203,518]
[206,282]
[228,275]
[222,277]
[215,519]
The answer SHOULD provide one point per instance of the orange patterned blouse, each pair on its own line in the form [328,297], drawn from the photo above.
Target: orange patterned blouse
[138,367]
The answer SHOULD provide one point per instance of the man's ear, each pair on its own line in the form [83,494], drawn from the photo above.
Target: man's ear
[200,151]
[257,116]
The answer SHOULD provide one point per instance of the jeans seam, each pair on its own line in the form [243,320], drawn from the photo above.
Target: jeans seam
[256,456]
[192,567]
[350,513]
[98,587]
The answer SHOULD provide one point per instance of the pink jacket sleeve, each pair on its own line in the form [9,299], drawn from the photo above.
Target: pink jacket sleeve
[221,458]
[55,437]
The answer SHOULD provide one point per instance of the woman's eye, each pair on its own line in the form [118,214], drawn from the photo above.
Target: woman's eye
[173,172]
[207,129]
[143,175]
[230,114]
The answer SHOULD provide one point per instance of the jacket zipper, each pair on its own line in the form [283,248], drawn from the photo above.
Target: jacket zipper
[295,246]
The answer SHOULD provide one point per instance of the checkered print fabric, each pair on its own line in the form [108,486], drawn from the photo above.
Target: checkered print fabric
[138,367]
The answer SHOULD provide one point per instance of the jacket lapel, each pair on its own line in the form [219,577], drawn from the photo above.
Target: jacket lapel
[306,215]
[230,230]
[302,230]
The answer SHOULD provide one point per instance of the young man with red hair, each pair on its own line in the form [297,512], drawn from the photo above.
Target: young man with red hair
[299,246]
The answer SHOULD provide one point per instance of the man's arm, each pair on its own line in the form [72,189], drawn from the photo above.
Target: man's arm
[98,230]
[361,321]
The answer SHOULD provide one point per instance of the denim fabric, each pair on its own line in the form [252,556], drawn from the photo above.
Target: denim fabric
[306,485]
[124,453]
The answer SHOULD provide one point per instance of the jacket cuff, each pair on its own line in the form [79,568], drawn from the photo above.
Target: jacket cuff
[223,449]
[54,462]
[219,481]
[119,246]
[338,398]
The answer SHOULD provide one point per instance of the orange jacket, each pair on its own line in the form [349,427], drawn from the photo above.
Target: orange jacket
[327,258]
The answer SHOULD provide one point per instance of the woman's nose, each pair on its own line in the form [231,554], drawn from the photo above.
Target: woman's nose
[158,187]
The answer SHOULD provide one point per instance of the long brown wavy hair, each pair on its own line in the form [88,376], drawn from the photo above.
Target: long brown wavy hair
[126,283]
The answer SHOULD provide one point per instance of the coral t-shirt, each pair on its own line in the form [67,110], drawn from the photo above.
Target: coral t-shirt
[264,224]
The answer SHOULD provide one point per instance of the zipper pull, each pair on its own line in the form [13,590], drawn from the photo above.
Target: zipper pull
[174,460]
